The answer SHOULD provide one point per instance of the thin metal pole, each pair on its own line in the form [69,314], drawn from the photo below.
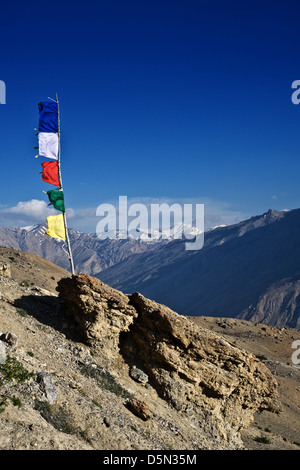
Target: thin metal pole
[61,185]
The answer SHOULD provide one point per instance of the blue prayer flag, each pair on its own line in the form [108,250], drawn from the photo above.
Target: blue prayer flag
[48,121]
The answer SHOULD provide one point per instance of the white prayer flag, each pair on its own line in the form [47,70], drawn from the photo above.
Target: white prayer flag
[48,145]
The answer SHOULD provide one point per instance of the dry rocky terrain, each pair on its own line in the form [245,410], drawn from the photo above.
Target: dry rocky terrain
[273,345]
[86,367]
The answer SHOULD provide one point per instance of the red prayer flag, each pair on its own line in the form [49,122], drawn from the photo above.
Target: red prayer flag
[50,173]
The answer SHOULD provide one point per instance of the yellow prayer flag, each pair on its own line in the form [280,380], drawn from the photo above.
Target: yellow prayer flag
[56,228]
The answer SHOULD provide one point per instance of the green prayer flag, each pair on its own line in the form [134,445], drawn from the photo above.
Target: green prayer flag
[56,198]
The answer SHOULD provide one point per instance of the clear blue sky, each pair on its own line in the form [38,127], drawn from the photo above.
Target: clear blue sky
[160,99]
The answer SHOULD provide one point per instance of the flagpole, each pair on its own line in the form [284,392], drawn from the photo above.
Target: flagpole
[61,185]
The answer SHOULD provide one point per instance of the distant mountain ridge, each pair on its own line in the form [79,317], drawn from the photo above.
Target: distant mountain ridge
[91,255]
[249,270]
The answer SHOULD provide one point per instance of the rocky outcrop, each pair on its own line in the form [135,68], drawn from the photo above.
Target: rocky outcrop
[99,311]
[196,370]
[199,373]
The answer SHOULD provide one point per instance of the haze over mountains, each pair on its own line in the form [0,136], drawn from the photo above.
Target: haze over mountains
[249,270]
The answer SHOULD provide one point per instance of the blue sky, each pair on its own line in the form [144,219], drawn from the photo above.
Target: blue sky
[160,100]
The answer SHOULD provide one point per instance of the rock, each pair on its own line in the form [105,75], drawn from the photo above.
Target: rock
[47,386]
[2,353]
[100,312]
[10,338]
[139,408]
[138,375]
[5,269]
[107,421]
[193,369]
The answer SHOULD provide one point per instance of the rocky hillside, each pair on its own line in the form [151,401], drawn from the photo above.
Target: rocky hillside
[84,366]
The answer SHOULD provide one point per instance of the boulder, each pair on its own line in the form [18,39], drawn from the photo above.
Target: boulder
[138,375]
[47,386]
[196,371]
[99,312]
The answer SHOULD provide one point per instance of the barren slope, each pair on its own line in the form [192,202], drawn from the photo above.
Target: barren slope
[90,415]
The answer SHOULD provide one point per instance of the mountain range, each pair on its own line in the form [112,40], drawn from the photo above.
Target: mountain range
[249,270]
[91,254]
